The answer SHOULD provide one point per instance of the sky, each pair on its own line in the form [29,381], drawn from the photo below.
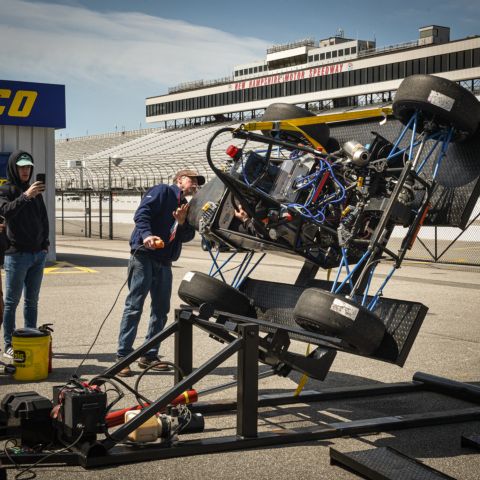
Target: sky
[113,54]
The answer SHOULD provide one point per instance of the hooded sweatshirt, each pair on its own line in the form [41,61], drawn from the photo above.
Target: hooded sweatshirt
[26,218]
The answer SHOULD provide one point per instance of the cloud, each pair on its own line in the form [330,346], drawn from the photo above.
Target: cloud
[65,43]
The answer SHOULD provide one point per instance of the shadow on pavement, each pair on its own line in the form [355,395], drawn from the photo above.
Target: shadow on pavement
[91,261]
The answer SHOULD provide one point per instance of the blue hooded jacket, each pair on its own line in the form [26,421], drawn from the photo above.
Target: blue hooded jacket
[154,216]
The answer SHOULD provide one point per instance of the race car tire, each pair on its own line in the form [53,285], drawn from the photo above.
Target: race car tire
[438,99]
[197,288]
[326,313]
[285,111]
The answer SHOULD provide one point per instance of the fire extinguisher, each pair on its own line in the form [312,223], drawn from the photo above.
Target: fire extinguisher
[47,328]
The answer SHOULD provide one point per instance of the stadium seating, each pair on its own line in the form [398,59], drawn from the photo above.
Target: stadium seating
[149,156]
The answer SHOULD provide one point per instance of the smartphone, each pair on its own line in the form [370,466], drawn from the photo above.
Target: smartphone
[40,177]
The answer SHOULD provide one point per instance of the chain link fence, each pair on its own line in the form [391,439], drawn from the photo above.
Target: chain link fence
[109,215]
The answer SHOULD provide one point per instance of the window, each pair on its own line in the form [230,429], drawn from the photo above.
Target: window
[382,73]
[328,82]
[363,76]
[408,68]
[316,57]
[369,74]
[430,65]
[422,65]
[416,66]
[452,61]
[310,58]
[347,51]
[351,77]
[334,54]
[353,50]
[460,60]
[340,53]
[322,56]
[334,80]
[358,79]
[476,57]
[328,55]
[468,59]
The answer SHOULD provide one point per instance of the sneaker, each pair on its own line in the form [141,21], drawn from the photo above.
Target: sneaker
[144,362]
[8,353]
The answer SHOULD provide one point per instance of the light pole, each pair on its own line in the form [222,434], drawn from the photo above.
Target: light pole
[116,161]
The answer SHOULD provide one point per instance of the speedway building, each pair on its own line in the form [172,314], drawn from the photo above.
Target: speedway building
[336,72]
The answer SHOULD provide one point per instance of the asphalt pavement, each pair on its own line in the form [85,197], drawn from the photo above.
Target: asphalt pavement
[85,291]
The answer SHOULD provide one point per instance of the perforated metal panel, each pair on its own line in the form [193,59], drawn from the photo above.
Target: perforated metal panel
[459,182]
[386,463]
[275,303]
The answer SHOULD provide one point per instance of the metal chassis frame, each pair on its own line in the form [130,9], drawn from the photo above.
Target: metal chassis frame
[107,452]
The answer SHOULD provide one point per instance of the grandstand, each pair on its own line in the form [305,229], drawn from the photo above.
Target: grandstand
[149,156]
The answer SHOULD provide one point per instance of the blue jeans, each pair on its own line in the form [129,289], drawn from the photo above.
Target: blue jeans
[23,271]
[145,275]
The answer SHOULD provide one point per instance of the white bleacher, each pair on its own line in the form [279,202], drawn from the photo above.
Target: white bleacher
[149,156]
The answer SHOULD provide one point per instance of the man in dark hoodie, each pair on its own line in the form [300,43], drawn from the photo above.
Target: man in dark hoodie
[25,214]
[156,242]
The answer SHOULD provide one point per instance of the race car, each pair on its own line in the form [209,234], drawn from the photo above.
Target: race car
[307,188]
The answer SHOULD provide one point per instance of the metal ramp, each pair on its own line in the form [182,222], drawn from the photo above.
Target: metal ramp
[385,463]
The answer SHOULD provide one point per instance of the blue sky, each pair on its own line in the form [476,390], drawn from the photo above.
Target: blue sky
[112,54]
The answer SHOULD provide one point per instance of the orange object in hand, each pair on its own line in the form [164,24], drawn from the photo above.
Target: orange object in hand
[158,243]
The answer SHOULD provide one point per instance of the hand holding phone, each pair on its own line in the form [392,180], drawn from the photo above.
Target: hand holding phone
[40,177]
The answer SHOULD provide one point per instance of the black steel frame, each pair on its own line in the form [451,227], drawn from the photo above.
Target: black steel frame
[243,339]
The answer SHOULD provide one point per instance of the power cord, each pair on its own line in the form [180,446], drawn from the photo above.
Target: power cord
[75,374]
[150,367]
[21,475]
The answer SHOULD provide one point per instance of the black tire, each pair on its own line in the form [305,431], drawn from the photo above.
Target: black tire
[197,288]
[285,111]
[438,99]
[323,312]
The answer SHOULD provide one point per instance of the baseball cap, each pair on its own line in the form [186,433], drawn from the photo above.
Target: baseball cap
[190,173]
[24,160]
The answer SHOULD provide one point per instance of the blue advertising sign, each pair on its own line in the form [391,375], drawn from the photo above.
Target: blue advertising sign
[32,104]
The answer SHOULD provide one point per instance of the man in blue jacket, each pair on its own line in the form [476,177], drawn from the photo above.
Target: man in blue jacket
[160,219]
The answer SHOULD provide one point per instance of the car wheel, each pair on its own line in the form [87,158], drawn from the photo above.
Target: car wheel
[323,312]
[197,288]
[438,99]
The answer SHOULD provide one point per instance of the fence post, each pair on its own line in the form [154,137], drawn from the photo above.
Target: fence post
[100,214]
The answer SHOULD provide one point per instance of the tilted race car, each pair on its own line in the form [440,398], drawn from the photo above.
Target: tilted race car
[331,189]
